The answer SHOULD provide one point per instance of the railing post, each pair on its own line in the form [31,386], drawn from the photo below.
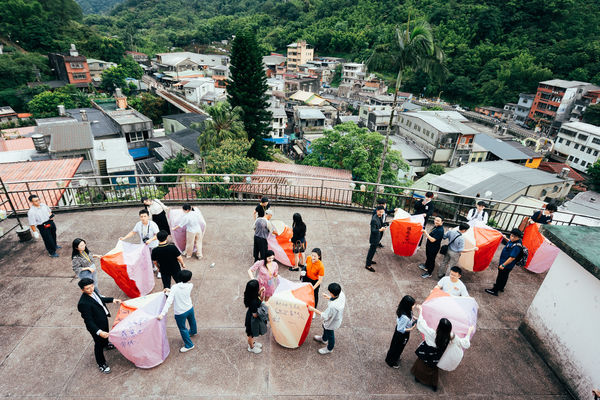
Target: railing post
[87,186]
[321,195]
[571,220]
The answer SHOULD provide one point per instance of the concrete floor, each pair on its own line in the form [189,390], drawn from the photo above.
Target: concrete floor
[46,353]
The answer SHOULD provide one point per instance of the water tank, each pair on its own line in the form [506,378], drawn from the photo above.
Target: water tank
[40,143]
[564,173]
[61,110]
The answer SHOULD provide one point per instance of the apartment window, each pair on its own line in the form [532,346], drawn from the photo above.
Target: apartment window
[589,150]
[570,158]
[582,148]
[576,146]
[583,163]
[576,159]
[568,143]
[560,140]
[596,140]
[136,137]
[595,153]
[79,77]
[582,137]
[76,65]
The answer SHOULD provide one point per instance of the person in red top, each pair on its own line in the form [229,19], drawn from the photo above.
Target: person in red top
[314,272]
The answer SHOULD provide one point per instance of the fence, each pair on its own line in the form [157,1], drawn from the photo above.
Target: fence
[103,191]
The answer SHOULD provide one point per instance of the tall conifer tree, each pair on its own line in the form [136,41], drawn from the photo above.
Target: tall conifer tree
[247,87]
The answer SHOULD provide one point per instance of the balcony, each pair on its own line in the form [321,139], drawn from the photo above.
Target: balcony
[39,314]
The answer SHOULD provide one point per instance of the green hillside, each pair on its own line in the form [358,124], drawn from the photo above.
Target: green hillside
[97,6]
[495,48]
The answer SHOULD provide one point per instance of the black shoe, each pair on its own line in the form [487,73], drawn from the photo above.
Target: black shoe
[110,346]
[380,246]
[58,247]
[370,268]
[294,269]
[373,263]
[105,369]
[492,292]
[502,290]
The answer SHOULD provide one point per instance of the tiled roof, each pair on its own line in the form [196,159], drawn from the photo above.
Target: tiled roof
[49,192]
[556,168]
[16,144]
[306,183]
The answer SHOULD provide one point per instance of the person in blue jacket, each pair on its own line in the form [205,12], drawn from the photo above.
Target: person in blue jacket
[508,258]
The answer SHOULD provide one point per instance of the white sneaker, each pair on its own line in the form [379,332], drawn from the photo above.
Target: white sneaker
[186,349]
[254,349]
[159,275]
[259,345]
[324,350]
[319,338]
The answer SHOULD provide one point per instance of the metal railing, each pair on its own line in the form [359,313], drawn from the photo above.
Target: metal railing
[93,192]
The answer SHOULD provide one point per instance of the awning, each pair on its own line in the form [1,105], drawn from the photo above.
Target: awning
[282,140]
[140,152]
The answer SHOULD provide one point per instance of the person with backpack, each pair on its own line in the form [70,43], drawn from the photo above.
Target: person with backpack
[478,215]
[514,253]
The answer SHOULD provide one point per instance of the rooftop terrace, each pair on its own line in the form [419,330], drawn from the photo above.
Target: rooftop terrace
[47,353]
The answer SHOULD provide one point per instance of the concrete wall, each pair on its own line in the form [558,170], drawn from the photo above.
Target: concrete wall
[563,323]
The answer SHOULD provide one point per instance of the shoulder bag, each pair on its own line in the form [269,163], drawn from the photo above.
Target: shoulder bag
[444,248]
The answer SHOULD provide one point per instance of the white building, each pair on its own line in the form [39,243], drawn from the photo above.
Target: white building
[278,121]
[203,91]
[523,107]
[579,144]
[299,53]
[185,61]
[98,66]
[353,71]
[445,136]
[111,157]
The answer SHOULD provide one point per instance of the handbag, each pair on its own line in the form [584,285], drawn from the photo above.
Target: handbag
[299,247]
[263,312]
[428,354]
[444,248]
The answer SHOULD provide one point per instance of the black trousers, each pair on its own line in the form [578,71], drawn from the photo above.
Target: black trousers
[260,248]
[167,275]
[99,345]
[431,253]
[399,341]
[371,253]
[161,220]
[501,279]
[49,236]
[312,282]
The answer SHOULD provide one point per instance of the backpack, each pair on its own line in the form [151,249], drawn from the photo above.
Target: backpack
[521,260]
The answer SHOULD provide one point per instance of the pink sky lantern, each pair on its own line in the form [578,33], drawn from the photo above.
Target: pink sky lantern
[138,334]
[288,312]
[461,311]
[542,252]
[179,238]
[131,267]
[406,232]
[280,243]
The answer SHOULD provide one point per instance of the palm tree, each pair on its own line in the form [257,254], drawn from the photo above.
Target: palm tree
[417,52]
[224,123]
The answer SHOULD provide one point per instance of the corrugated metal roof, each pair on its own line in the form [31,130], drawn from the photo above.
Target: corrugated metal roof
[502,178]
[49,192]
[564,84]
[16,144]
[443,121]
[310,113]
[68,137]
[505,150]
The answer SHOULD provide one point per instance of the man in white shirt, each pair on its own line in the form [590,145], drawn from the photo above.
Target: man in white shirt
[41,222]
[146,229]
[478,215]
[192,222]
[452,284]
[180,297]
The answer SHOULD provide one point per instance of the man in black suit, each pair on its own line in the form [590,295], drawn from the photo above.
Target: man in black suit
[92,307]
[377,228]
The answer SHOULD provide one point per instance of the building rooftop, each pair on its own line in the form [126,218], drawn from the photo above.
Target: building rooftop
[116,154]
[199,82]
[16,144]
[201,59]
[33,324]
[556,168]
[68,137]
[502,178]
[6,110]
[510,150]
[582,127]
[584,203]
[581,243]
[443,121]
[100,123]
[188,138]
[278,112]
[36,170]
[564,84]
[187,119]
[409,151]
[273,60]
[127,117]
[310,113]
